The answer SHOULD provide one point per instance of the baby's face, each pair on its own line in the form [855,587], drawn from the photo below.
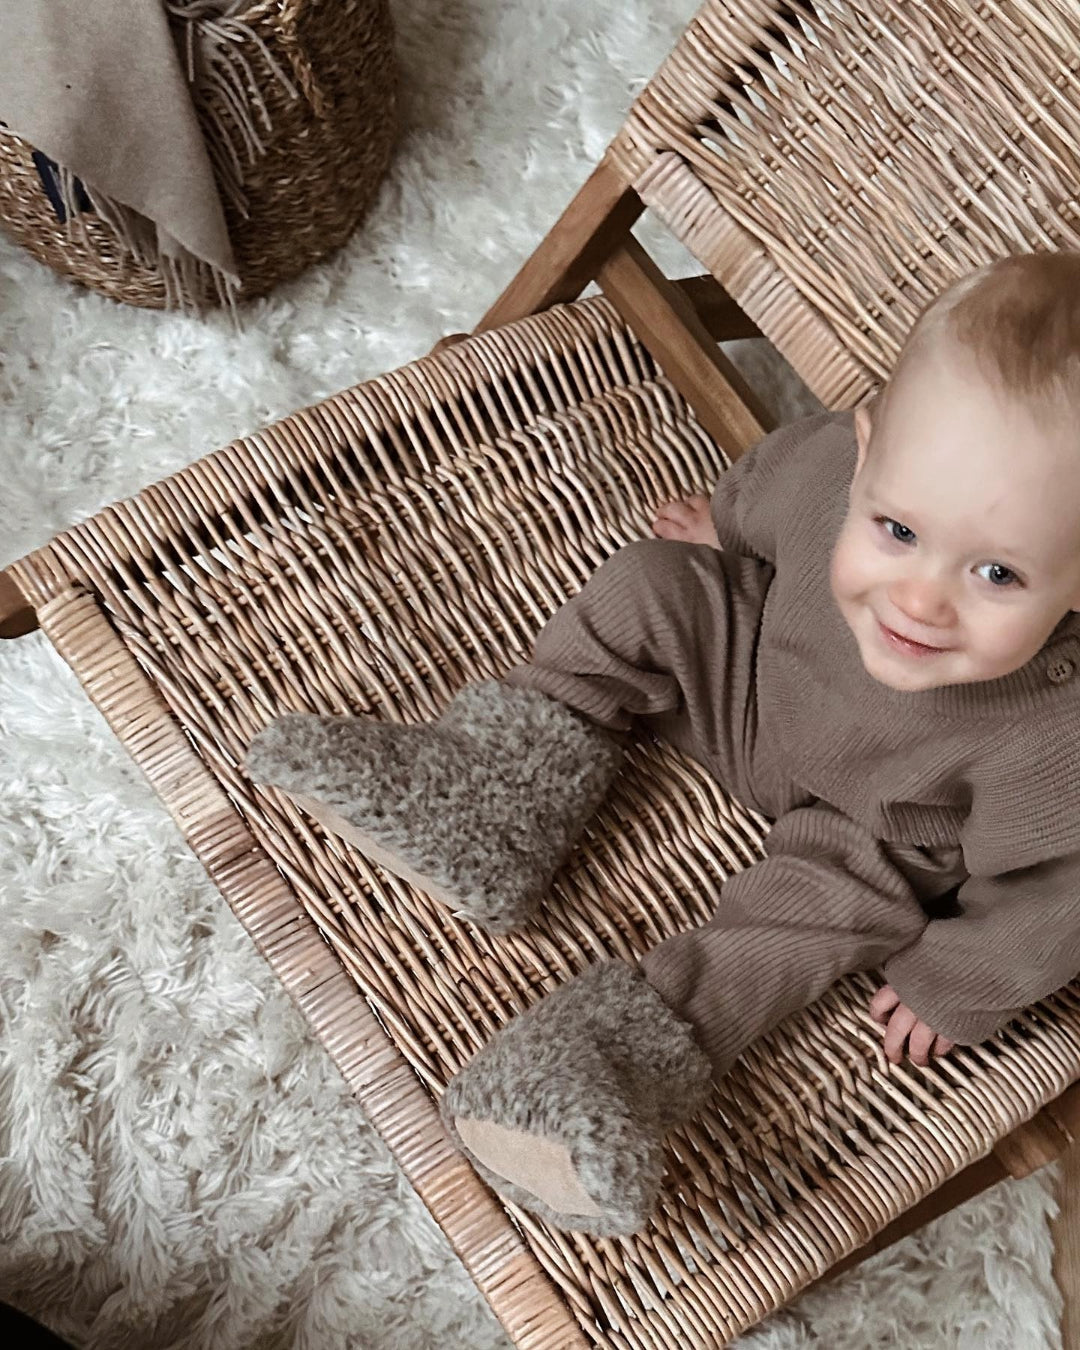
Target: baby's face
[960,553]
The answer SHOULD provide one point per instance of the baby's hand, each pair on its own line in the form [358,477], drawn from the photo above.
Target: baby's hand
[689,520]
[902,1026]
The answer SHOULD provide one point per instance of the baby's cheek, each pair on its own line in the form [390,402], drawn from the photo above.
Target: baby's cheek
[1002,643]
[850,575]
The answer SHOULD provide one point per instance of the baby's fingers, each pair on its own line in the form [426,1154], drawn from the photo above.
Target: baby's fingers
[680,516]
[685,508]
[688,521]
[896,1033]
[666,528]
[883,1002]
[920,1043]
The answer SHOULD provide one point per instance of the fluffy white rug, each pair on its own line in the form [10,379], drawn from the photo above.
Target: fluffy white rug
[180,1166]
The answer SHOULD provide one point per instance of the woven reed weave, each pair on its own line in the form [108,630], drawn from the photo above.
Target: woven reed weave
[324,73]
[370,555]
[864,155]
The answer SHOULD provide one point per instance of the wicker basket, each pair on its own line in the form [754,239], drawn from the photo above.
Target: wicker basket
[326,77]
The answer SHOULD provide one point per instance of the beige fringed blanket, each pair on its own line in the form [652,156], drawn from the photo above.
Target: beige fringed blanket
[108,89]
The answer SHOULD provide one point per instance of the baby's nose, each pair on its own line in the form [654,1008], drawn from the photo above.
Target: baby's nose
[923,600]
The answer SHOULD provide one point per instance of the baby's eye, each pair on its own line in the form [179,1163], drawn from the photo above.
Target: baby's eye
[899,532]
[999,574]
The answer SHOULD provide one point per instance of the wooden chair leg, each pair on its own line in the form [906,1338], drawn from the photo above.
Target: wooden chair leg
[664,318]
[595,223]
[722,317]
[1066,1227]
[1066,1231]
[17,615]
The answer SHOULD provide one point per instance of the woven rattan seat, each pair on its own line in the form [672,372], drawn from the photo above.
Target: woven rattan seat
[375,552]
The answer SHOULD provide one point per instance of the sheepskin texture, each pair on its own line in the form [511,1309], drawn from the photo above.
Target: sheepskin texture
[486,802]
[602,1066]
[180,1165]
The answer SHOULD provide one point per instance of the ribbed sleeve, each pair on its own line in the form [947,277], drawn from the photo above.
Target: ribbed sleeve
[1016,940]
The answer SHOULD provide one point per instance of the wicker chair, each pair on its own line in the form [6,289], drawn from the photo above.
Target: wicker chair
[831,165]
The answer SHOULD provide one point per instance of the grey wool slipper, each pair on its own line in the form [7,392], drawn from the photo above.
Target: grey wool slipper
[564,1111]
[479,808]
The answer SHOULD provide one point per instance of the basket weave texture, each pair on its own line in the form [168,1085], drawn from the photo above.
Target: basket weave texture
[321,82]
[837,163]
[369,556]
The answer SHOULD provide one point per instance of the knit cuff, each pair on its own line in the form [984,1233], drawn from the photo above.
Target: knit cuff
[932,1005]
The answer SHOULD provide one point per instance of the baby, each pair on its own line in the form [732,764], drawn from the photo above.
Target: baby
[959,556]
[870,636]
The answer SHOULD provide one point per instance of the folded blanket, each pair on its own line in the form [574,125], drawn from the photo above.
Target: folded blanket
[108,89]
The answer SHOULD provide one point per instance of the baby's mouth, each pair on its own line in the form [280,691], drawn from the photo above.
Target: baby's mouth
[908,645]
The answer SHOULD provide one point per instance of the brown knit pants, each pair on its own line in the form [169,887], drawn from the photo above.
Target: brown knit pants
[667,633]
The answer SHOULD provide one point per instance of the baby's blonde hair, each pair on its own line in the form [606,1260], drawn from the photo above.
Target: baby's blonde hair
[1019,318]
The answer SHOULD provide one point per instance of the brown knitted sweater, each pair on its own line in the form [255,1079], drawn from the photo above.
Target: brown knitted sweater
[988,768]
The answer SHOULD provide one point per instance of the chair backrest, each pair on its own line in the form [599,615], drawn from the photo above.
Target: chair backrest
[836,163]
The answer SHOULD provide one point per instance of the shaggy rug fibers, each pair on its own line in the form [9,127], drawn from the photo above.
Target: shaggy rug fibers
[180,1165]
